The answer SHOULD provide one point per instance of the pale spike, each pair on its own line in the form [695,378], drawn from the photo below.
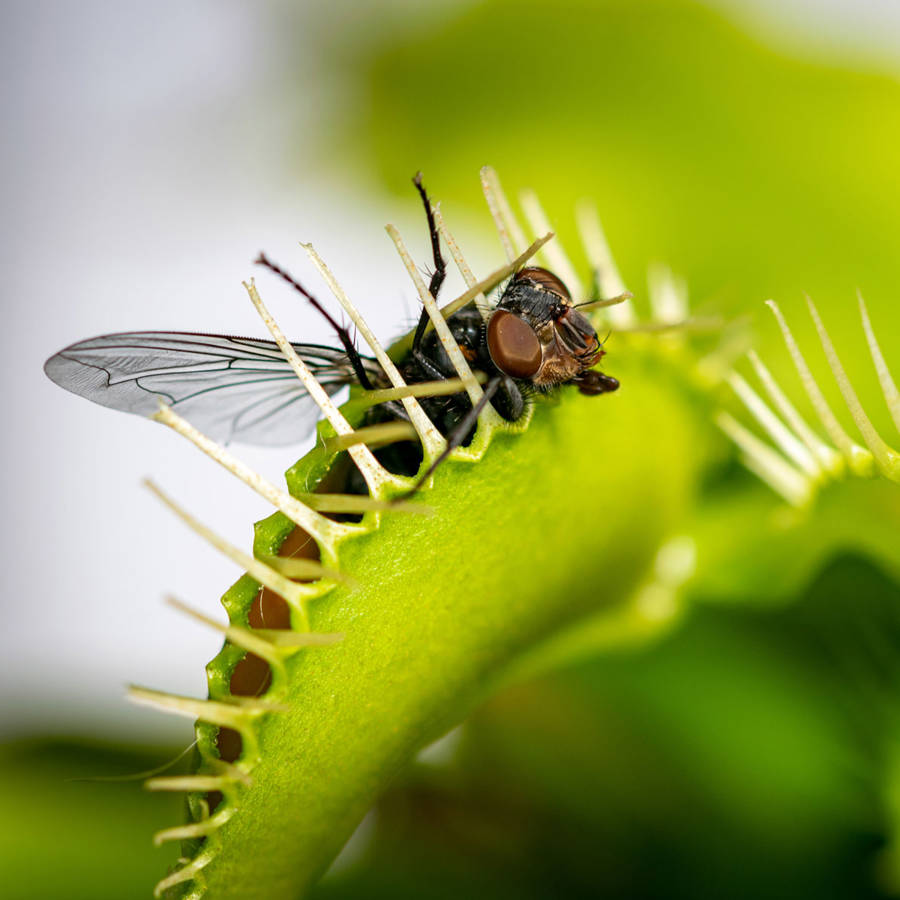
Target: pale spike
[480,287]
[610,301]
[430,437]
[461,264]
[489,283]
[556,256]
[511,234]
[287,638]
[177,783]
[230,770]
[888,386]
[186,873]
[295,594]
[421,389]
[859,459]
[241,637]
[888,460]
[234,714]
[601,261]
[373,436]
[828,457]
[321,529]
[668,294]
[194,829]
[698,324]
[786,441]
[375,475]
[473,388]
[767,464]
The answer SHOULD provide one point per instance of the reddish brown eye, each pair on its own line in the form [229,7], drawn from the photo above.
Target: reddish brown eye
[545,279]
[513,345]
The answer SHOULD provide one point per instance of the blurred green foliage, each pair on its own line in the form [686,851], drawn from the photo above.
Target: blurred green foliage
[64,836]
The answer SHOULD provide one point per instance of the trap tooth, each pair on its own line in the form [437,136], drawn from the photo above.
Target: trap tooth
[376,477]
[556,256]
[451,348]
[508,228]
[288,589]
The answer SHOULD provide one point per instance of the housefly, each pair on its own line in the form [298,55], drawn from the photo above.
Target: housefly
[242,389]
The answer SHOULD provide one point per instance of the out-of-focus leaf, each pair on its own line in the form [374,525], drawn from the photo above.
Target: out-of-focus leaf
[80,840]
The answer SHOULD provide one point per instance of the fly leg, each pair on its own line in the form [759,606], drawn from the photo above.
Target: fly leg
[459,433]
[437,279]
[343,334]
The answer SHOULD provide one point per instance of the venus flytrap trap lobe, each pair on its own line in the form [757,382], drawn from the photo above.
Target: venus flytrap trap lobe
[403,653]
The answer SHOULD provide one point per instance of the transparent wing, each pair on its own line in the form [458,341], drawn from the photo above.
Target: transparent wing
[231,388]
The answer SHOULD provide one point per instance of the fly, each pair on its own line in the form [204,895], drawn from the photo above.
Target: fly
[242,389]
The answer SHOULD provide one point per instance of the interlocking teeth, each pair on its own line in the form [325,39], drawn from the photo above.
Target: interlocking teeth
[887,460]
[432,440]
[556,257]
[460,364]
[203,828]
[295,594]
[888,386]
[858,458]
[376,476]
[236,714]
[421,389]
[807,460]
[791,446]
[373,436]
[600,258]
[668,295]
[829,459]
[187,872]
[767,463]
[244,638]
[317,526]
[512,237]
[487,284]
[464,268]
[185,783]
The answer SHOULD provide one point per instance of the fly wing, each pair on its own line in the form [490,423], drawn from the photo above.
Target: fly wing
[231,388]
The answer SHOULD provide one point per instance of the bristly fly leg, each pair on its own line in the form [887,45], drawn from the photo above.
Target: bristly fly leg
[343,334]
[437,279]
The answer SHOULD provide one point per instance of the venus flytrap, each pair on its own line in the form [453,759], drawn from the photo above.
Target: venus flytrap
[349,646]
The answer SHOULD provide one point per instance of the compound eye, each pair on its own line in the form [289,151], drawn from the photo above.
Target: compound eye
[513,345]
